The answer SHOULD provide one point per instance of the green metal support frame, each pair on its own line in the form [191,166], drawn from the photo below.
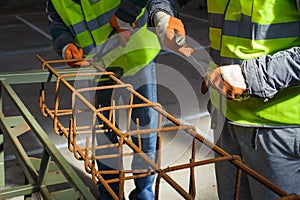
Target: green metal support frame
[35,170]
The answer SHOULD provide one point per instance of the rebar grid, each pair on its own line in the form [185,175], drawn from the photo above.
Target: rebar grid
[87,153]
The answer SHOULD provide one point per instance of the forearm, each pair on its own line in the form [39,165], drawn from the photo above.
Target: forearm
[171,7]
[140,3]
[266,75]
[61,40]
[130,9]
[60,34]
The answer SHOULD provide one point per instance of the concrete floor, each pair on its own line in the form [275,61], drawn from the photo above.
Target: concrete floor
[24,33]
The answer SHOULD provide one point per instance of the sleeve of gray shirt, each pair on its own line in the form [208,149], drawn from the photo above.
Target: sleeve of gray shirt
[60,33]
[267,74]
[171,7]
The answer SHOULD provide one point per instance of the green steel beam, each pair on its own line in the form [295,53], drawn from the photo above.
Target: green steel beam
[54,176]
[38,76]
[49,147]
[28,168]
[66,194]
[18,191]
[44,168]
[14,120]
[18,150]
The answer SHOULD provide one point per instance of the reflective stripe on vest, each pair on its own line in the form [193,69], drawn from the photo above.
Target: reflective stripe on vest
[243,29]
[89,23]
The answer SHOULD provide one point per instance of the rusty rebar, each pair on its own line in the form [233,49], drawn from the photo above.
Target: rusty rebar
[155,168]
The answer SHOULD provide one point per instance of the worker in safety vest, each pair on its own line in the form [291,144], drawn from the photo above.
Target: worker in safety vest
[255,49]
[77,28]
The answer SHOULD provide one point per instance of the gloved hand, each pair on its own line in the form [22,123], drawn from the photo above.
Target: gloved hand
[70,51]
[172,33]
[124,19]
[123,28]
[228,80]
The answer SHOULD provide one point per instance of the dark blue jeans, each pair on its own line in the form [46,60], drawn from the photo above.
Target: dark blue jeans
[144,82]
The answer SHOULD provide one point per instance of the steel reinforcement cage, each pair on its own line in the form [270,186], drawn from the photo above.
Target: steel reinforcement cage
[87,152]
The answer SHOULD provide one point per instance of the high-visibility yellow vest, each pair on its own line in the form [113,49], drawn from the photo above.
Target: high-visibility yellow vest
[244,29]
[89,23]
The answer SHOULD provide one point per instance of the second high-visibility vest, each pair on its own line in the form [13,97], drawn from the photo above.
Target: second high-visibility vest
[244,29]
[89,23]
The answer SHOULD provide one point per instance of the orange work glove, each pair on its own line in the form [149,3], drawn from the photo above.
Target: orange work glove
[70,51]
[172,33]
[123,28]
[228,80]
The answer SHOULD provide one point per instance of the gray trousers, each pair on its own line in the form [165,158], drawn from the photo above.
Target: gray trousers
[273,152]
